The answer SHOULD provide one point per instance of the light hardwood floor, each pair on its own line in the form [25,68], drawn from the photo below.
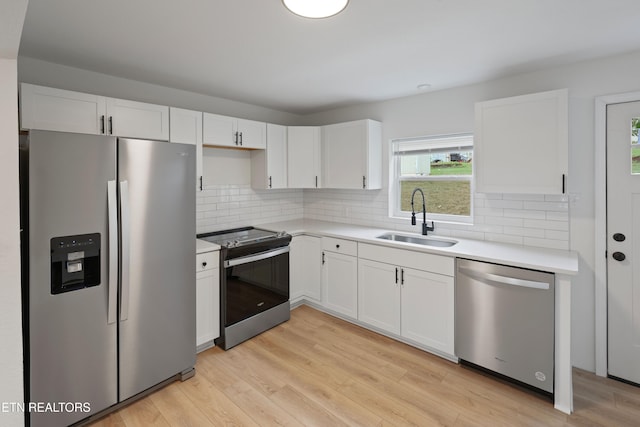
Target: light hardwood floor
[316,370]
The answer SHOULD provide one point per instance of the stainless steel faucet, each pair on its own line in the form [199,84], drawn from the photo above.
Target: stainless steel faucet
[425,227]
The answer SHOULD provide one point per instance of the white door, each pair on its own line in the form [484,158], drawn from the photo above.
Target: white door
[623,238]
[252,134]
[340,283]
[303,156]
[276,156]
[305,268]
[344,153]
[219,130]
[427,308]
[379,295]
[137,119]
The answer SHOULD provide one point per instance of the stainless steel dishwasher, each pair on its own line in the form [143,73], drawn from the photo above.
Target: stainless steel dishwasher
[505,321]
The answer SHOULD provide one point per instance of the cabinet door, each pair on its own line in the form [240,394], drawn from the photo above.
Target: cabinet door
[207,306]
[379,295]
[303,157]
[427,309]
[269,166]
[305,268]
[218,130]
[60,110]
[137,119]
[340,283]
[521,144]
[185,126]
[352,155]
[251,134]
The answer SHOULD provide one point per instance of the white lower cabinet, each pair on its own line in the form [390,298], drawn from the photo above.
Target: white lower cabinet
[379,295]
[207,299]
[340,276]
[404,300]
[305,268]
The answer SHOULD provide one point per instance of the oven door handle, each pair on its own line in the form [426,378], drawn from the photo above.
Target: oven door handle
[256,257]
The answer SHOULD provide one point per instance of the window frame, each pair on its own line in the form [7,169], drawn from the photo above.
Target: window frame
[435,143]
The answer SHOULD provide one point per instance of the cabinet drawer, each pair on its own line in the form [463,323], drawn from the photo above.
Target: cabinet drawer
[411,259]
[207,261]
[341,246]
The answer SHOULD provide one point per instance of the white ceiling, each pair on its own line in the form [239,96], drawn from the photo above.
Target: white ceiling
[255,51]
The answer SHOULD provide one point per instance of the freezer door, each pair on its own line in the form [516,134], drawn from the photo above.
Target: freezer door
[157,307]
[72,346]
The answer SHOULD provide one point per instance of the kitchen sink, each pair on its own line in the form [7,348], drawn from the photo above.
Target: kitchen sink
[426,241]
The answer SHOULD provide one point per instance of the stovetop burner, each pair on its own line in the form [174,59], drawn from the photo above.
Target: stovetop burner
[240,236]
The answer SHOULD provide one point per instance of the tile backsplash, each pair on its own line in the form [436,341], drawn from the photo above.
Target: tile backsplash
[530,220]
[221,207]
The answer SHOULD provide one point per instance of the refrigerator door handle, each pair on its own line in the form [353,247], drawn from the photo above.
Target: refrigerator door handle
[112,202]
[125,233]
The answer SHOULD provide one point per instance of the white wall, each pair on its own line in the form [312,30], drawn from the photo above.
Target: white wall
[451,111]
[10,301]
[12,13]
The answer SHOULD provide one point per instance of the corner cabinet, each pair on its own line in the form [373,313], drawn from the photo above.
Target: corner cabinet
[304,157]
[224,131]
[521,144]
[340,276]
[186,128]
[352,155]
[408,293]
[305,268]
[207,299]
[269,166]
[46,108]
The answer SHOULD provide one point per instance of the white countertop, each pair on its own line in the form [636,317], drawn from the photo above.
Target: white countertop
[203,246]
[551,260]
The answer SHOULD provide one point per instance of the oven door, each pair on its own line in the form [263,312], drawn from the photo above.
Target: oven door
[255,283]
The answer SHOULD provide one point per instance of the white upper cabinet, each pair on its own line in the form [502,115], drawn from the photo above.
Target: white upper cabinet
[303,157]
[224,131]
[185,127]
[352,155]
[47,108]
[521,144]
[137,120]
[269,167]
[60,110]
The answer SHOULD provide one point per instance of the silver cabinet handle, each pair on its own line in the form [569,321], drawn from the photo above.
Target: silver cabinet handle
[112,203]
[125,248]
[505,280]
[256,257]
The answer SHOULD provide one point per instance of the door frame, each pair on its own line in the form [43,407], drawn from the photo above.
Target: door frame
[600,246]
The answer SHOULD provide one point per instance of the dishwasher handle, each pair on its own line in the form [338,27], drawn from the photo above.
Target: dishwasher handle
[502,279]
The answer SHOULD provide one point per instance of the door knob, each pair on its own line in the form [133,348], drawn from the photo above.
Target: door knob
[619,256]
[619,237]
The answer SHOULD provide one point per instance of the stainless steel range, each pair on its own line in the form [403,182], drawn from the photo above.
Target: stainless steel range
[254,282]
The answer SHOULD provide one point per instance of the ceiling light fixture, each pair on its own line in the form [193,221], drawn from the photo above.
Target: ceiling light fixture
[315,8]
[423,86]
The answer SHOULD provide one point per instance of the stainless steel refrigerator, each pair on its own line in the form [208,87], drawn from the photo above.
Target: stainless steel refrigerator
[108,249]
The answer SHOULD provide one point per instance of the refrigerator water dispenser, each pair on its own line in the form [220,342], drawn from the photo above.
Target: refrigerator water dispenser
[75,262]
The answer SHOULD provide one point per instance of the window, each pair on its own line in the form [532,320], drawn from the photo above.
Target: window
[442,167]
